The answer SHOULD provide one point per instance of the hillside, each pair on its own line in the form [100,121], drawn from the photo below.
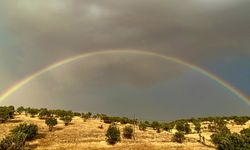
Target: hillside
[87,135]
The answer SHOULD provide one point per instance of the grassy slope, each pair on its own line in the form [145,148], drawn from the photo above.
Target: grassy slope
[86,135]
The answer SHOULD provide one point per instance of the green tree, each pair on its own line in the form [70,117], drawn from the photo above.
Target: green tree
[179,137]
[183,127]
[33,112]
[128,132]
[86,116]
[143,126]
[197,127]
[20,110]
[155,125]
[44,113]
[13,142]
[113,134]
[66,120]
[51,122]
[30,130]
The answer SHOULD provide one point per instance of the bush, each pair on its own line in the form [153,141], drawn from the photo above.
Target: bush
[13,142]
[155,125]
[226,140]
[183,127]
[241,120]
[245,132]
[30,130]
[168,126]
[179,137]
[66,120]
[44,113]
[51,122]
[6,113]
[113,134]
[86,116]
[142,126]
[33,111]
[20,110]
[197,127]
[128,132]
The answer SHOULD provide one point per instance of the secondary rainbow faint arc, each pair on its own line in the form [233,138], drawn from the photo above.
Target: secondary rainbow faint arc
[217,79]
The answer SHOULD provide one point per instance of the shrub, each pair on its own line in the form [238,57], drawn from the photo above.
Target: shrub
[183,127]
[86,116]
[168,126]
[66,120]
[113,134]
[155,125]
[128,132]
[6,113]
[179,137]
[33,111]
[245,132]
[142,126]
[229,141]
[13,142]
[241,120]
[197,127]
[3,114]
[20,110]
[51,122]
[30,130]
[44,113]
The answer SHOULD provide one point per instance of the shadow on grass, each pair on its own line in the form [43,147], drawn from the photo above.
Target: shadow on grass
[14,121]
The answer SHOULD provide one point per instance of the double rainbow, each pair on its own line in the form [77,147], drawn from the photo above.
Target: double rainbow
[208,74]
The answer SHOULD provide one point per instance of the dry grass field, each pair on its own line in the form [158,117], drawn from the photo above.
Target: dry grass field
[86,135]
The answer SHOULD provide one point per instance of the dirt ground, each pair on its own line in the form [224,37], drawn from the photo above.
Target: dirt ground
[86,135]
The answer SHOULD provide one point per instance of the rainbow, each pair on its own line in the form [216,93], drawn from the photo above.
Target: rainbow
[208,74]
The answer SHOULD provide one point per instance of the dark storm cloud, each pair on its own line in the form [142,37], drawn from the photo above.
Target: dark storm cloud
[34,34]
[188,29]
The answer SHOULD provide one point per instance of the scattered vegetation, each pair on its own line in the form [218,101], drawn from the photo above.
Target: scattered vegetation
[179,137]
[66,119]
[232,141]
[113,134]
[30,130]
[128,132]
[51,122]
[222,138]
[143,126]
[183,127]
[6,113]
[13,142]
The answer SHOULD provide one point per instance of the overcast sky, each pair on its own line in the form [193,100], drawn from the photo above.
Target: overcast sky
[213,34]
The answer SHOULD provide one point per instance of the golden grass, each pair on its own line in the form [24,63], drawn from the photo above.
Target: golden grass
[86,135]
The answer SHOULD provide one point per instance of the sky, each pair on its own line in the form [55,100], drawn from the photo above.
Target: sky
[211,34]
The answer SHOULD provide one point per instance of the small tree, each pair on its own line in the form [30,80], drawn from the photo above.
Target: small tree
[113,134]
[128,132]
[183,127]
[20,110]
[86,116]
[44,113]
[168,126]
[33,112]
[4,114]
[51,122]
[197,127]
[179,137]
[66,120]
[142,126]
[30,130]
[155,125]
[241,120]
[13,142]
